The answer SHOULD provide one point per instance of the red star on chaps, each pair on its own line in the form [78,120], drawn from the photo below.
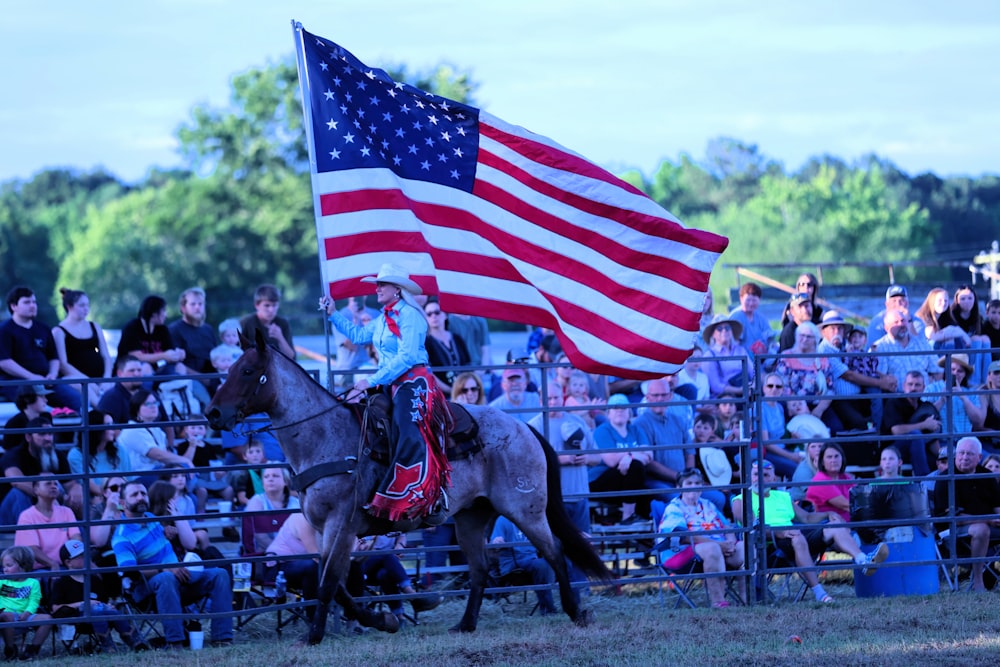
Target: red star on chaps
[405,478]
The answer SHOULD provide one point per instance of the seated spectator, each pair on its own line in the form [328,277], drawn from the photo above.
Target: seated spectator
[718,551]
[117,400]
[758,336]
[780,513]
[711,461]
[939,327]
[276,330]
[444,348]
[807,284]
[620,468]
[229,332]
[899,338]
[524,557]
[578,385]
[80,344]
[107,507]
[991,327]
[296,537]
[890,464]
[974,498]
[45,542]
[692,382]
[31,402]
[967,411]
[941,463]
[221,358]
[167,499]
[772,430]
[802,424]
[28,351]
[192,446]
[834,498]
[807,377]
[853,412]
[146,445]
[515,396]
[801,309]
[143,546]
[468,389]
[254,428]
[36,456]
[249,483]
[70,602]
[910,416]
[992,463]
[276,495]
[726,377]
[991,418]
[896,298]
[965,313]
[805,471]
[103,455]
[147,338]
[20,599]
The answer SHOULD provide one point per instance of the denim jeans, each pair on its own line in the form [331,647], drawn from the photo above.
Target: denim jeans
[212,582]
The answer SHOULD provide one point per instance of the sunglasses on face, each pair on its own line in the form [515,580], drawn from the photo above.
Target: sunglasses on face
[149,404]
[775,386]
[471,390]
[433,312]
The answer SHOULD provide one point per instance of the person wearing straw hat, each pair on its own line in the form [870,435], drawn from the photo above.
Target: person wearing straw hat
[967,411]
[419,471]
[726,377]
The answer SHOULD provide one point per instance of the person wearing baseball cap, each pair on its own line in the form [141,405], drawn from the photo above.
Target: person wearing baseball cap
[515,397]
[800,309]
[896,298]
[32,401]
[421,415]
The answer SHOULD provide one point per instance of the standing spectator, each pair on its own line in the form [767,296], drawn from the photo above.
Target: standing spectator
[146,444]
[974,498]
[807,284]
[80,344]
[899,338]
[28,351]
[757,332]
[103,455]
[475,331]
[191,334]
[37,455]
[726,377]
[515,397]
[909,416]
[896,298]
[143,546]
[32,401]
[20,599]
[443,347]
[116,401]
[147,338]
[265,318]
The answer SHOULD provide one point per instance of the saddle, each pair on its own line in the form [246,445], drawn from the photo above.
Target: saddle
[376,419]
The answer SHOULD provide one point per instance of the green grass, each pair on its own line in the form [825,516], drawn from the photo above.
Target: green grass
[944,629]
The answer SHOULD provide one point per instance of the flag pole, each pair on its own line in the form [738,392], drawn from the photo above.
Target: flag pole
[300,63]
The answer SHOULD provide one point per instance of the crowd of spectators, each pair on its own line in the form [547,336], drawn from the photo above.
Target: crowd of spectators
[815,392]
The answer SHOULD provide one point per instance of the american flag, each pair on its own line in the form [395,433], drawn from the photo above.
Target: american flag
[498,221]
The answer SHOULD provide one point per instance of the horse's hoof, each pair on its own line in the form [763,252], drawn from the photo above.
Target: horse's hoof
[584,618]
[314,641]
[389,623]
[461,628]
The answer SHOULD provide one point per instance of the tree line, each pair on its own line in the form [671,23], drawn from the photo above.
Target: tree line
[239,212]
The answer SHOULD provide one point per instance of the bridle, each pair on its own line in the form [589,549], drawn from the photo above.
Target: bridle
[261,381]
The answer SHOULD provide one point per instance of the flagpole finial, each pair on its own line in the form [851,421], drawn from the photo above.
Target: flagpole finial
[296,25]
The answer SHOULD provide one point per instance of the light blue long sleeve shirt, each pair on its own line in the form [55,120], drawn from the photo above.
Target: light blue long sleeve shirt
[396,355]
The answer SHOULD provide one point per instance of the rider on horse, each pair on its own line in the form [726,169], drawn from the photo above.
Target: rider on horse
[419,470]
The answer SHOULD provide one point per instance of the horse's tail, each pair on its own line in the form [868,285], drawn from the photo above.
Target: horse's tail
[575,545]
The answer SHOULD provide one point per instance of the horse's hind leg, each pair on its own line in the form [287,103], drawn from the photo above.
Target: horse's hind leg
[470,529]
[537,530]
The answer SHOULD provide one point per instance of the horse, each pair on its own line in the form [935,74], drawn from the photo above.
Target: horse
[513,471]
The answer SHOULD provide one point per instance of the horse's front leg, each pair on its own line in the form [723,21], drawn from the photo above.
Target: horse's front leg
[470,528]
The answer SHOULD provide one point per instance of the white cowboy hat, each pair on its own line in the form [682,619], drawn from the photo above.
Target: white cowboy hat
[716,465]
[391,273]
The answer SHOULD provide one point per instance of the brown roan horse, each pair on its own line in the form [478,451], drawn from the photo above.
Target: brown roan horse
[515,473]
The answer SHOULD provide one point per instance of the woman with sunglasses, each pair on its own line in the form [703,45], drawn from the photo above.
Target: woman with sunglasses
[108,506]
[443,347]
[468,389]
[718,550]
[773,428]
[102,456]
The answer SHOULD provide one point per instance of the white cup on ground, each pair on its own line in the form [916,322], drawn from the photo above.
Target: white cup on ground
[197,639]
[225,507]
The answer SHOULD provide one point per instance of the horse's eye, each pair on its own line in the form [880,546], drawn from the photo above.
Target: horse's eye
[247,371]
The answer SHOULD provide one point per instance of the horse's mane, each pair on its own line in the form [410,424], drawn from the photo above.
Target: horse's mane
[337,399]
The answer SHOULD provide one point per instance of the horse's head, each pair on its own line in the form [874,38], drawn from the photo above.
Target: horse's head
[246,390]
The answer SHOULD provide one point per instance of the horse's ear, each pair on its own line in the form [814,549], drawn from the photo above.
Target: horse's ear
[261,341]
[245,343]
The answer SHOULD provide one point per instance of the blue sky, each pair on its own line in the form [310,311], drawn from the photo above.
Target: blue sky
[626,84]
